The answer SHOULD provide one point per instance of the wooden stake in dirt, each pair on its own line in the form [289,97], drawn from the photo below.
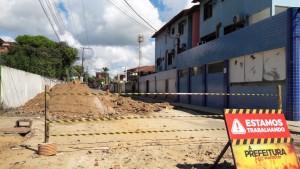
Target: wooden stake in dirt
[279,96]
[46,114]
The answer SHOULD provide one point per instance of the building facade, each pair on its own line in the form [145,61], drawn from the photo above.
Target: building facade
[5,46]
[253,58]
[175,37]
[241,47]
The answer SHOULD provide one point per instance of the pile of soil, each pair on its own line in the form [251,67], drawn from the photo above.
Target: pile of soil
[80,106]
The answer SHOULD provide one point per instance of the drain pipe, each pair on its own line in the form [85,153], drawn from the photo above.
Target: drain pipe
[218,26]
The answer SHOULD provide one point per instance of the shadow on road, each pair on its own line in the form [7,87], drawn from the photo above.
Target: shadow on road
[224,165]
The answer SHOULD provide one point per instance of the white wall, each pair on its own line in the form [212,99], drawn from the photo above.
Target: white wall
[265,66]
[18,87]
[160,79]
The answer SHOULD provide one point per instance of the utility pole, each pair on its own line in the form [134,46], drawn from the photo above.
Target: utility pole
[82,72]
[0,80]
[140,39]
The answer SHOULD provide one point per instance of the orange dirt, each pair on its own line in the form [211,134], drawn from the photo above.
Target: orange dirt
[79,106]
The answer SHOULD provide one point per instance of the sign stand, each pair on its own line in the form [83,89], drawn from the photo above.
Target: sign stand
[259,138]
[221,155]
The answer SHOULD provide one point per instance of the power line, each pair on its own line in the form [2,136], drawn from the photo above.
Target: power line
[59,18]
[76,32]
[87,38]
[139,15]
[49,21]
[138,23]
[61,22]
[54,17]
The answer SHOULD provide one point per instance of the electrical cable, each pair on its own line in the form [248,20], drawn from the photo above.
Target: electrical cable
[54,17]
[73,21]
[138,23]
[59,18]
[87,38]
[140,16]
[60,21]
[50,21]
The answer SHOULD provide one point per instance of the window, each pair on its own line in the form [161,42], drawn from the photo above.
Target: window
[181,27]
[231,28]
[207,10]
[196,71]
[215,67]
[209,37]
[173,31]
[183,73]
[166,39]
[170,58]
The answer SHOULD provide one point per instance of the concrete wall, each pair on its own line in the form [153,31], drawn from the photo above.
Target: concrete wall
[158,81]
[18,87]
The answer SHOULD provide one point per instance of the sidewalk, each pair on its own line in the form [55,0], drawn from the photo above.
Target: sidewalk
[198,109]
[294,126]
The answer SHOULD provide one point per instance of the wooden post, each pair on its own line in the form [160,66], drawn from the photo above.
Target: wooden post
[46,114]
[279,96]
[221,155]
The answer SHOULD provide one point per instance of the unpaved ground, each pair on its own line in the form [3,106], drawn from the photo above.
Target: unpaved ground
[186,149]
[161,142]
[70,100]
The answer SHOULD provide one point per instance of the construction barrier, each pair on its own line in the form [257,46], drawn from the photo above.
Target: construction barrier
[51,94]
[128,94]
[139,132]
[129,117]
[259,138]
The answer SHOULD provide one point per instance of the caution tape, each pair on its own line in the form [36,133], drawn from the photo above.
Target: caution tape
[129,117]
[128,94]
[212,94]
[137,132]
[261,141]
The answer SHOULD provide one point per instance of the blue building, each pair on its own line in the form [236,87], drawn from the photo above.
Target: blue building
[243,47]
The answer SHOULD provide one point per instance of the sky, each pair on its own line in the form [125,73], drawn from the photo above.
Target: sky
[108,29]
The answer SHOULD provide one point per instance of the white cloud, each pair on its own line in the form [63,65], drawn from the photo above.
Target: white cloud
[172,8]
[111,34]
[7,38]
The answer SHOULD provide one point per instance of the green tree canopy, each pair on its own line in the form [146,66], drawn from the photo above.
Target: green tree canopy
[39,55]
[77,70]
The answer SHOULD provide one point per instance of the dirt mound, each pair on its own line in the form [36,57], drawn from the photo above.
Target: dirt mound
[81,106]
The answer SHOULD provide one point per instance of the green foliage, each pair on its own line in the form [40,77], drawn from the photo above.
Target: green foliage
[77,70]
[39,55]
[91,79]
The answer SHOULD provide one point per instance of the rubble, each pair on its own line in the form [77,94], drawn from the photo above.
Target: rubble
[81,106]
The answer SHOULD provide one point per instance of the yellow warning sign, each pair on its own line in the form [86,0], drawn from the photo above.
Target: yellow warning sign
[274,156]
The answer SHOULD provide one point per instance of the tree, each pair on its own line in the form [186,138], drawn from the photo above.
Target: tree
[77,70]
[39,55]
[106,74]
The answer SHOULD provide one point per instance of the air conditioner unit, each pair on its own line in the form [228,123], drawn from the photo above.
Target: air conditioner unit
[239,18]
